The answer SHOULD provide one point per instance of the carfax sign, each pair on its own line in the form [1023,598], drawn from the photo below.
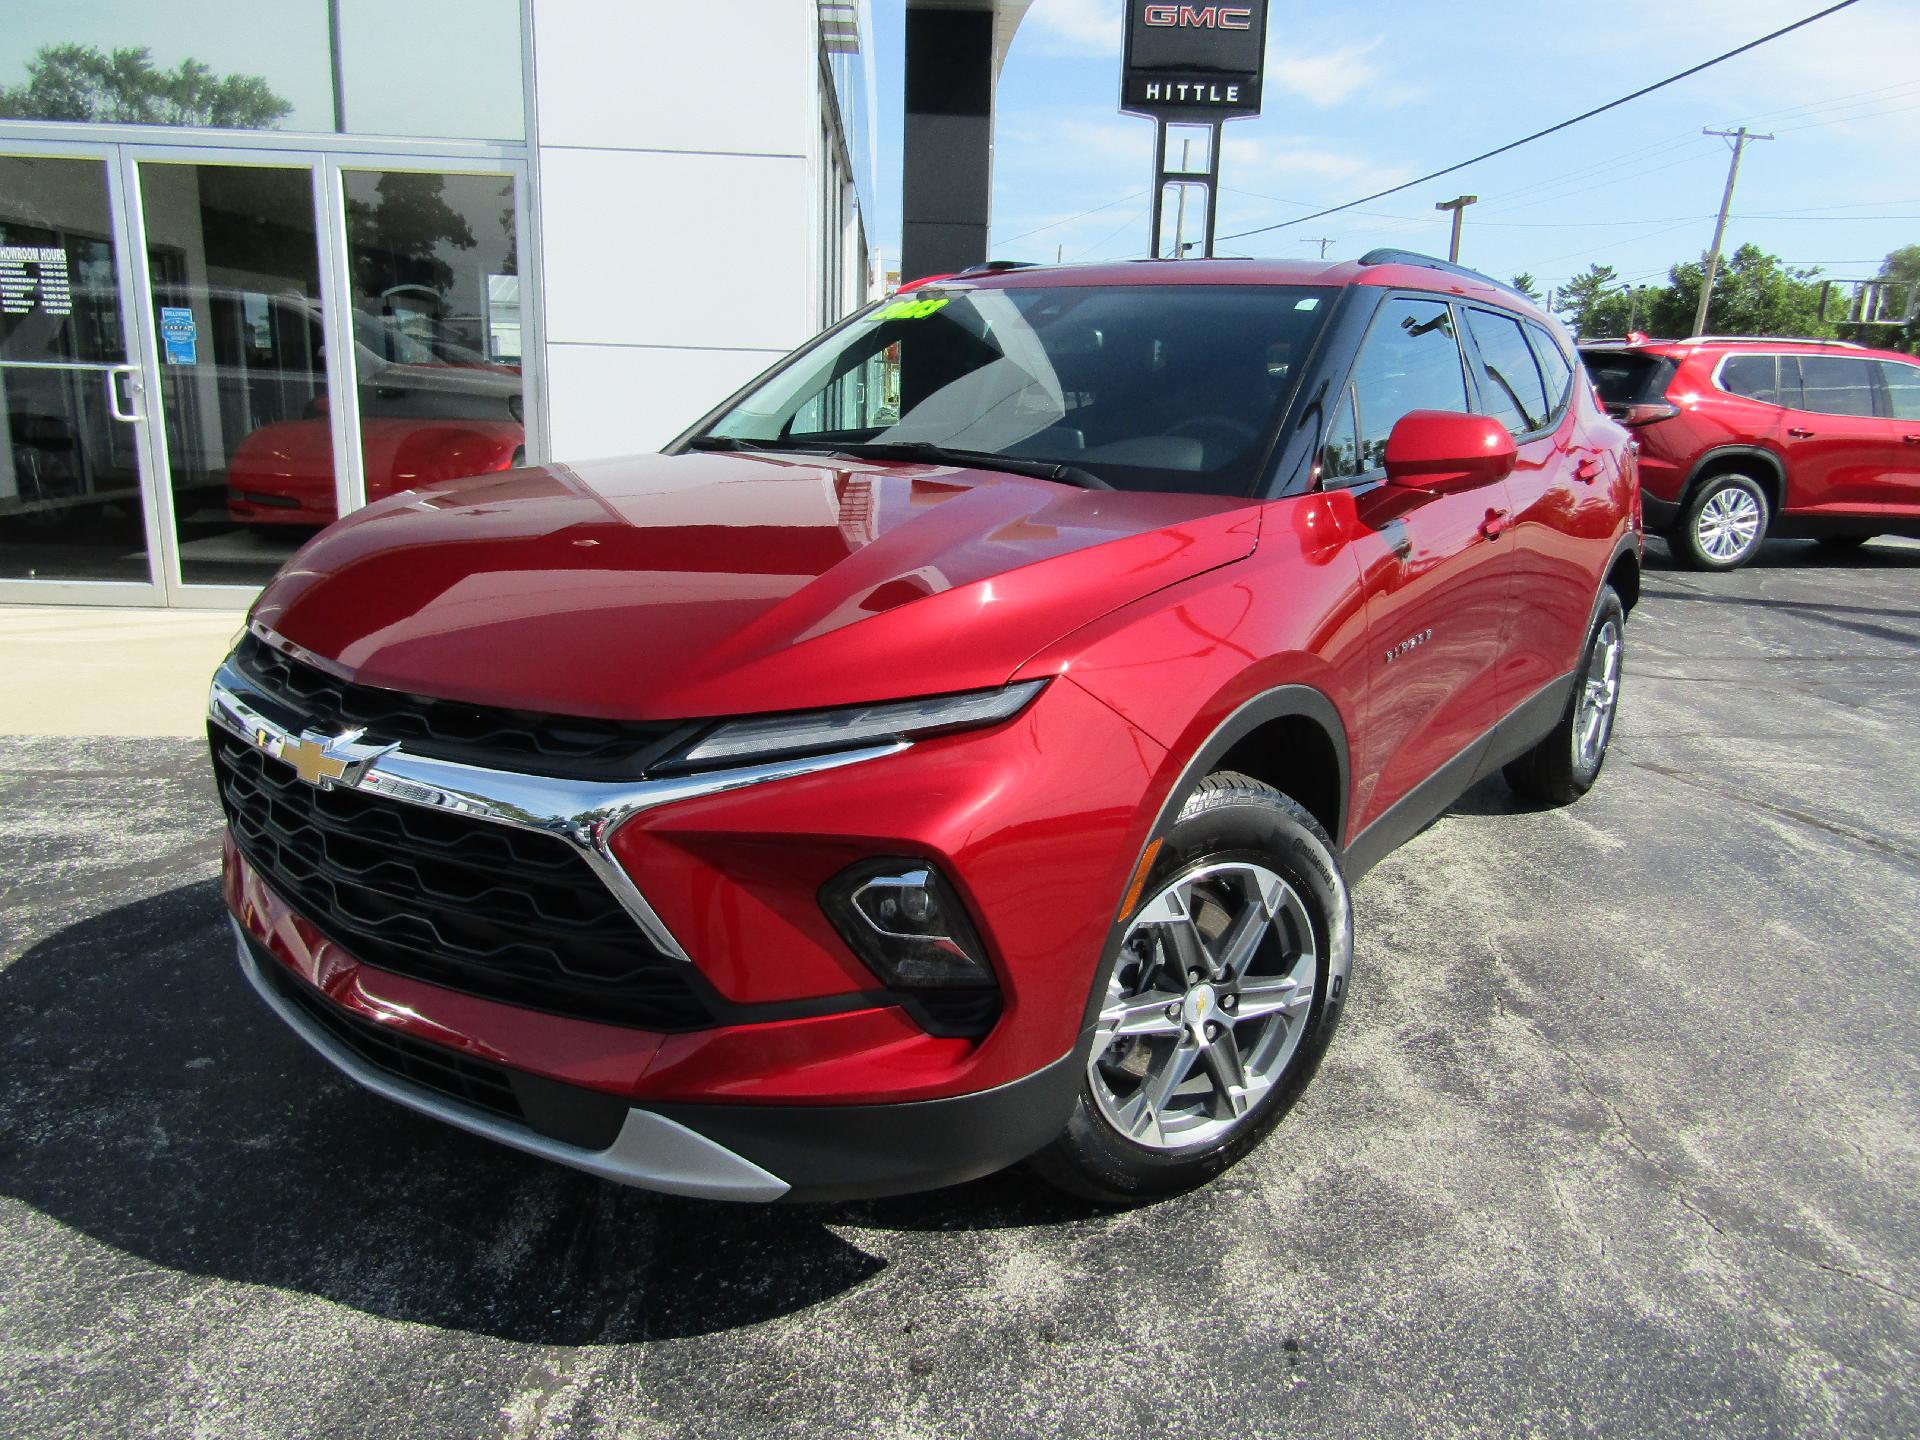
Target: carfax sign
[1193,62]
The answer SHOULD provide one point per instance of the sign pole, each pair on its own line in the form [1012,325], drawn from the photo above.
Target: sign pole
[1193,65]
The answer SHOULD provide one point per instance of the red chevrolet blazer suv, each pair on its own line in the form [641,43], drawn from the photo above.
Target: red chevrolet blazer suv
[954,751]
[1743,438]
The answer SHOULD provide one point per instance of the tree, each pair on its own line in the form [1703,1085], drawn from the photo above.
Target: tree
[1528,286]
[1754,294]
[1903,267]
[78,82]
[1593,303]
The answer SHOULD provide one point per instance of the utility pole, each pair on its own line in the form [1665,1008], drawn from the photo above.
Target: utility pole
[1180,201]
[1740,138]
[1322,242]
[1458,206]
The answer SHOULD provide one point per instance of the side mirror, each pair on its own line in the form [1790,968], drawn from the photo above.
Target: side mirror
[1443,450]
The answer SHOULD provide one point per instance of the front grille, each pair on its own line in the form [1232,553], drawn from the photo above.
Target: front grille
[576,748]
[506,914]
[462,1077]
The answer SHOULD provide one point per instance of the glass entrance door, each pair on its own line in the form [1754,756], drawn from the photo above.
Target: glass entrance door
[74,492]
[207,354]
[239,337]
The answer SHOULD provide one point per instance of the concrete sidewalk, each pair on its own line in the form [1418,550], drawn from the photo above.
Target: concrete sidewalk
[74,671]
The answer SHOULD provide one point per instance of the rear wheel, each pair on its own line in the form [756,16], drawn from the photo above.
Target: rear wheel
[1218,1006]
[1724,523]
[1563,767]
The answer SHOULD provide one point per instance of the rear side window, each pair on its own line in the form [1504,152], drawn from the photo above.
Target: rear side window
[1837,384]
[1903,388]
[1555,368]
[1511,388]
[1754,376]
[1410,361]
[1627,377]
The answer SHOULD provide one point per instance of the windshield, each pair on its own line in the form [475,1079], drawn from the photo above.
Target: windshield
[1148,387]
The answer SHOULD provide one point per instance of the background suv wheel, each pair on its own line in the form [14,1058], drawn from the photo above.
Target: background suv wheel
[1724,523]
[1217,1010]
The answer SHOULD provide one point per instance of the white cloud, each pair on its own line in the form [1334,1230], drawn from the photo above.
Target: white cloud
[1078,27]
[1327,77]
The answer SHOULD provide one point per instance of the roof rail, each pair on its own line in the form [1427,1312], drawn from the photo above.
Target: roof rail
[1765,340]
[1387,255]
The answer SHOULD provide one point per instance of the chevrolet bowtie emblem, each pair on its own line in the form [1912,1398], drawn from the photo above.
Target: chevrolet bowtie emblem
[324,760]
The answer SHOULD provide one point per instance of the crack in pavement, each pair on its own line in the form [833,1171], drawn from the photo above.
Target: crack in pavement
[1673,1183]
[1789,812]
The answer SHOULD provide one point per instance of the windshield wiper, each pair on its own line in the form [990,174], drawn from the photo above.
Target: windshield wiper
[727,442]
[928,453]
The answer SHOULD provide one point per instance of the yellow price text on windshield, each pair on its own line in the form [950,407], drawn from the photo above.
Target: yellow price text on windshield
[912,309]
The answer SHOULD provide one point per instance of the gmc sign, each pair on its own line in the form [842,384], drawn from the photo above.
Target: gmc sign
[1193,62]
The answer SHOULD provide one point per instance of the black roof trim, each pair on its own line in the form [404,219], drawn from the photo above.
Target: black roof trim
[1386,255]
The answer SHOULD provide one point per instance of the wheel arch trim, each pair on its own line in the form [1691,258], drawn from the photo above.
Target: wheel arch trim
[1280,702]
[1775,472]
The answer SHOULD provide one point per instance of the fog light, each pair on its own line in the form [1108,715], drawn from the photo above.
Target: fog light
[904,920]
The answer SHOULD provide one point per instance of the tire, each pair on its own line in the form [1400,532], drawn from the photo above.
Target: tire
[1563,767]
[1723,524]
[1240,854]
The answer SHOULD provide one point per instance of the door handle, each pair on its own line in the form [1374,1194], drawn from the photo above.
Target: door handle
[114,372]
[1797,433]
[1496,524]
[1587,471]
[1911,439]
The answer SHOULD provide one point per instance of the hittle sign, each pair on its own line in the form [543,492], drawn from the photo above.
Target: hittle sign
[1193,62]
[1191,65]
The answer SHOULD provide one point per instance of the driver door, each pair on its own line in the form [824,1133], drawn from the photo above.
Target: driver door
[1433,567]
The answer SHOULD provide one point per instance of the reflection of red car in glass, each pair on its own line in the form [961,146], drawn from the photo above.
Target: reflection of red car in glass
[418,423]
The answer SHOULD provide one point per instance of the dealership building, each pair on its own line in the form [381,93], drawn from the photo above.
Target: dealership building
[299,255]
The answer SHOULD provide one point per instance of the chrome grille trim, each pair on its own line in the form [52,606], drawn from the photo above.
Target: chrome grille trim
[584,813]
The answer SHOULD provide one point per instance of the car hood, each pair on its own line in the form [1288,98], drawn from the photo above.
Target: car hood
[670,587]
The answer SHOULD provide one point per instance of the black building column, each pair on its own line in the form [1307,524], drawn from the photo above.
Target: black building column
[947,185]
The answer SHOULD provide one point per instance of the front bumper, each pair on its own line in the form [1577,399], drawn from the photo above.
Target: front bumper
[711,1152]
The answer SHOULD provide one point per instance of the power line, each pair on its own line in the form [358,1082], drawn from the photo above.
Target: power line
[1555,129]
[1055,224]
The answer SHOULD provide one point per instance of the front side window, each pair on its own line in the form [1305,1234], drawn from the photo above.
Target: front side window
[1511,388]
[1340,453]
[1903,388]
[1837,384]
[1410,361]
[1752,376]
[1148,387]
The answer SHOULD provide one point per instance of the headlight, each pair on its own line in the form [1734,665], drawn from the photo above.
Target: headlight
[813,731]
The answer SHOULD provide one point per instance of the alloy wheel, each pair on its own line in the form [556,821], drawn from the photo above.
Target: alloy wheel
[1728,525]
[1599,697]
[1206,1007]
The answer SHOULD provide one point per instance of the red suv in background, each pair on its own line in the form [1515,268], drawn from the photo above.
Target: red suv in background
[956,750]
[1741,438]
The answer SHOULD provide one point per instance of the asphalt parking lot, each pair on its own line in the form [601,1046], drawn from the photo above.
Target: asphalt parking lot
[1621,1136]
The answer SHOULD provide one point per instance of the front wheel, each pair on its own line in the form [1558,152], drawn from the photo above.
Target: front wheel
[1220,1002]
[1723,525]
[1563,767]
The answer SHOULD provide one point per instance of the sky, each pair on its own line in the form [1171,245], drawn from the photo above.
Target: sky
[1362,97]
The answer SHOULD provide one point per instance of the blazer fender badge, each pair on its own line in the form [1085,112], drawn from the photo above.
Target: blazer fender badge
[1412,642]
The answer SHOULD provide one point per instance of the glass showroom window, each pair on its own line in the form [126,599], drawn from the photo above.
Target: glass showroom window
[436,319]
[426,68]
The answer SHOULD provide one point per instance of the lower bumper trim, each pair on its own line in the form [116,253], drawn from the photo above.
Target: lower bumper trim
[650,1151]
